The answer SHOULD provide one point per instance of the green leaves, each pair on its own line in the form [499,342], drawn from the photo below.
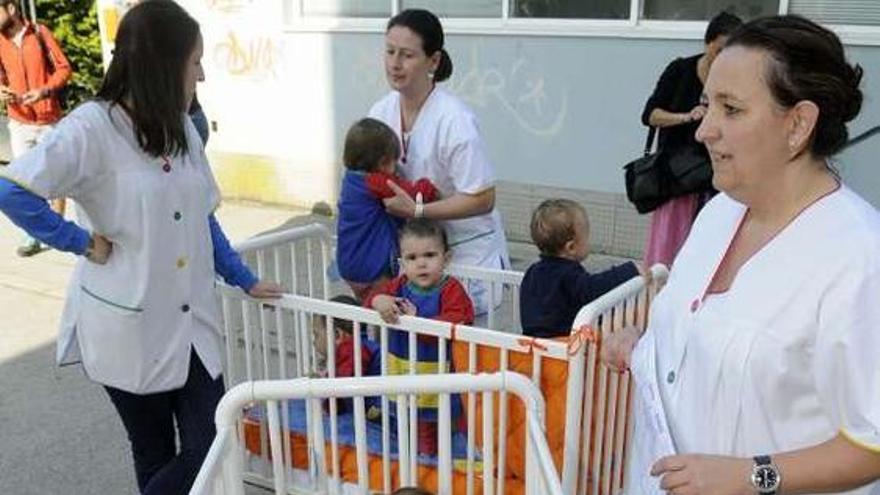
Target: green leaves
[75,24]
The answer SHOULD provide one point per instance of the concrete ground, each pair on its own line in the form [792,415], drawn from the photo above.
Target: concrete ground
[59,432]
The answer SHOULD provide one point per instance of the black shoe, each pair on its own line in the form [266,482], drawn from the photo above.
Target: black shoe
[29,249]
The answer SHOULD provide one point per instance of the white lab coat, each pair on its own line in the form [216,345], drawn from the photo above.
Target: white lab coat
[787,357]
[445,146]
[133,321]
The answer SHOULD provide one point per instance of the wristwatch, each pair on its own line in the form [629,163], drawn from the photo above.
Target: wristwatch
[765,476]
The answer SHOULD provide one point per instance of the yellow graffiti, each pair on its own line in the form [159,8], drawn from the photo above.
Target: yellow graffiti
[229,6]
[256,57]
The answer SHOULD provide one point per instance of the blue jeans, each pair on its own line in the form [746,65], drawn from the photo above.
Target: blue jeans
[149,420]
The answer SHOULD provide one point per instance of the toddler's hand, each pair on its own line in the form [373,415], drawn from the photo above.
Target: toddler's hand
[387,307]
[617,348]
[647,275]
[406,306]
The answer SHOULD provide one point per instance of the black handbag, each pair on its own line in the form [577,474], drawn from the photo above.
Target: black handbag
[657,177]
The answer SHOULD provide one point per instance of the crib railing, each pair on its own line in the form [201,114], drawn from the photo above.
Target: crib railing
[223,473]
[300,258]
[276,341]
[297,258]
[604,450]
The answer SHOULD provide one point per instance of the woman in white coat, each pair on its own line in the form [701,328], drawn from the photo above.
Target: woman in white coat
[764,341]
[440,141]
[141,313]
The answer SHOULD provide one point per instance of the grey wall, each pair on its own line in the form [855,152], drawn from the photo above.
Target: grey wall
[564,112]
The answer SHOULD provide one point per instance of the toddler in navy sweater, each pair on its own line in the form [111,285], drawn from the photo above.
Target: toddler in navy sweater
[556,287]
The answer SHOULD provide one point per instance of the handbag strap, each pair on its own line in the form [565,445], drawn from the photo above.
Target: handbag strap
[649,142]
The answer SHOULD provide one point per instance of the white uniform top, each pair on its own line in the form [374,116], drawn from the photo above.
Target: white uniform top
[787,357]
[133,320]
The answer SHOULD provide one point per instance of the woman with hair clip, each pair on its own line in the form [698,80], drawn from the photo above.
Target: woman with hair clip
[141,313]
[440,141]
[762,347]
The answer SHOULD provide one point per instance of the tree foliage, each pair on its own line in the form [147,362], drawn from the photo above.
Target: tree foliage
[75,24]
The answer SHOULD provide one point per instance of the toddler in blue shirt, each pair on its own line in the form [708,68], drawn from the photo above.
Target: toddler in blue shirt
[557,286]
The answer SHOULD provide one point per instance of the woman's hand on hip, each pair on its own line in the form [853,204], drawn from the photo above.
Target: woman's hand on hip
[704,475]
[399,205]
[618,347]
[266,290]
[99,249]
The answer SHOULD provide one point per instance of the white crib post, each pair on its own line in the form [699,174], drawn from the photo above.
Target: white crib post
[574,401]
[488,433]
[444,423]
[278,469]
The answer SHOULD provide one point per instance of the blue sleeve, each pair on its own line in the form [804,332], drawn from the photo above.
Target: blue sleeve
[32,213]
[589,287]
[227,262]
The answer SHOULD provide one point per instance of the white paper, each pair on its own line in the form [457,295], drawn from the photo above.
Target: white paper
[653,438]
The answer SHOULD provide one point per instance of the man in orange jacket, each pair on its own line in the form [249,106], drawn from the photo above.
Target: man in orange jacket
[33,69]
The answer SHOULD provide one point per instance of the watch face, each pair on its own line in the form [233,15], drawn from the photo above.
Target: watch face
[766,478]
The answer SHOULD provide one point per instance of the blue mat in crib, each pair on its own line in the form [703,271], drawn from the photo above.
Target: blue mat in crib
[296,421]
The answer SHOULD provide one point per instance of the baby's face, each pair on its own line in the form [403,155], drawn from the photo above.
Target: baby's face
[388,165]
[423,260]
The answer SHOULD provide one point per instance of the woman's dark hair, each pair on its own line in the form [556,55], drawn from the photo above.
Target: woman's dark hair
[153,44]
[425,228]
[723,24]
[428,27]
[807,62]
[367,143]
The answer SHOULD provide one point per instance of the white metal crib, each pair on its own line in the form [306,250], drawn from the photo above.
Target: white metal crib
[275,341]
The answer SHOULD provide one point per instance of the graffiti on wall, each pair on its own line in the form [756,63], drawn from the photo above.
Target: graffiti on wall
[521,89]
[228,6]
[249,56]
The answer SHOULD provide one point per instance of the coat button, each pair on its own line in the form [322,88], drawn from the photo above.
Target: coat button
[670,377]
[695,305]
[166,168]
[185,308]
[177,215]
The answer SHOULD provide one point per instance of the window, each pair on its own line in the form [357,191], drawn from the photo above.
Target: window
[859,12]
[856,21]
[701,10]
[571,9]
[346,8]
[457,8]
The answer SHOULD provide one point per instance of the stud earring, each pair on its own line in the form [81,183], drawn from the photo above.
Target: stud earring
[430,76]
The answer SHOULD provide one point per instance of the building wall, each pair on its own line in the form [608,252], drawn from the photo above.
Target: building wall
[560,115]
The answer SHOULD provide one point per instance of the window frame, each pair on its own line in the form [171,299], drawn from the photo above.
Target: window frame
[634,27]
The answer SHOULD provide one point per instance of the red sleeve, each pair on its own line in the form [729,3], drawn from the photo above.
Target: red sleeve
[389,287]
[455,304]
[345,358]
[377,183]
[428,190]
[62,73]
